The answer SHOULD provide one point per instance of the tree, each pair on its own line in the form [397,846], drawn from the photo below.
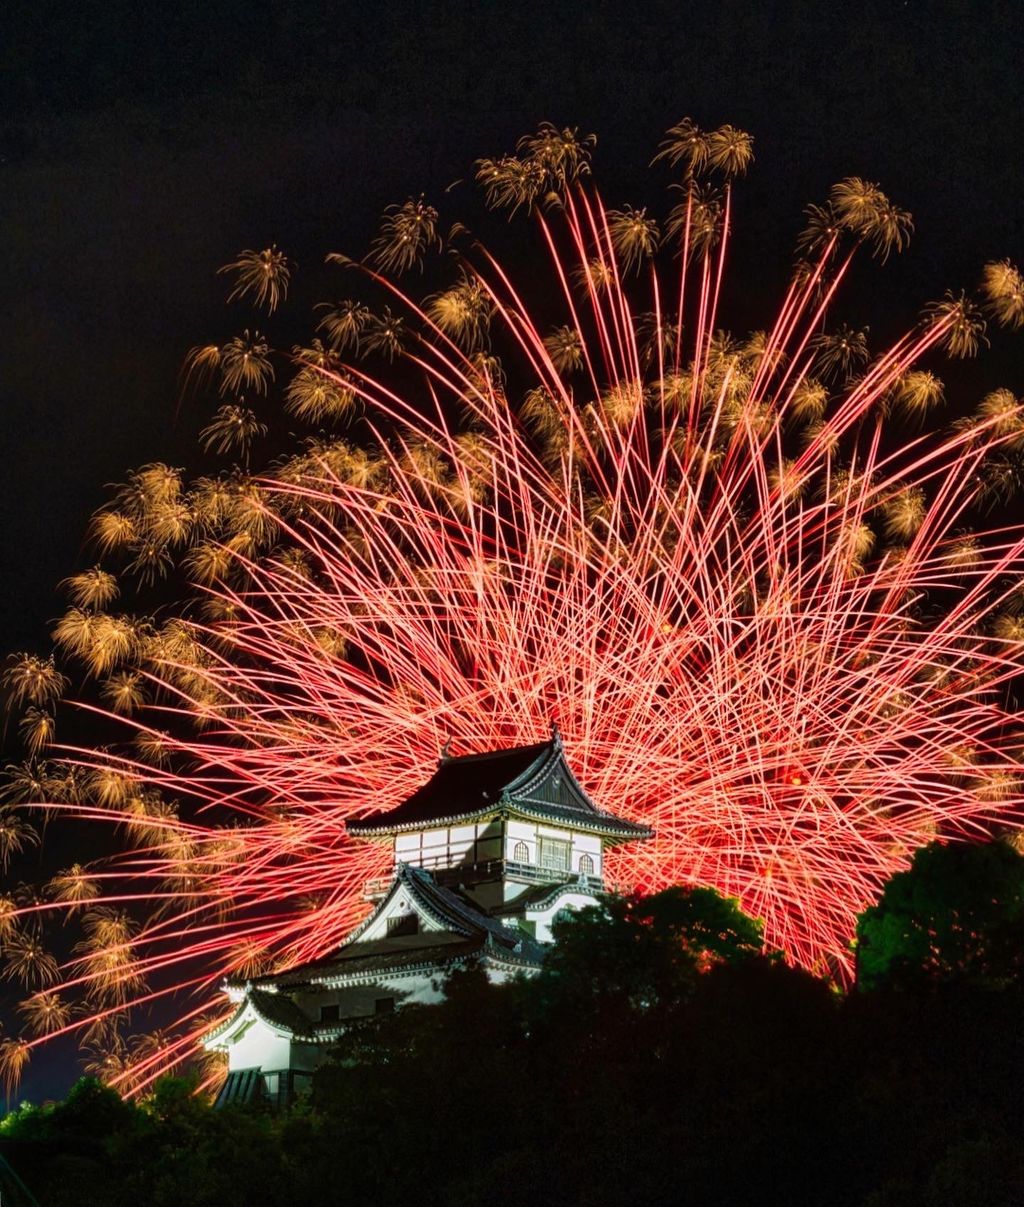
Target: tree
[955,916]
[178,1109]
[646,951]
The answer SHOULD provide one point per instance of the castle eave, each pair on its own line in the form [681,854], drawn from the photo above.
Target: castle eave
[534,782]
[604,824]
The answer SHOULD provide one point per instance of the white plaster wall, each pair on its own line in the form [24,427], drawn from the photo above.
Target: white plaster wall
[257,1046]
[306,1057]
[422,988]
[581,844]
[400,904]
[450,846]
[488,895]
[552,832]
[461,843]
[407,848]
[434,848]
[520,831]
[498,976]
[360,1000]
[489,840]
[586,844]
[544,918]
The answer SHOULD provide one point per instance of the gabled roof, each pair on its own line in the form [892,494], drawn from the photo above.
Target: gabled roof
[531,781]
[473,932]
[279,1011]
[450,909]
[275,1009]
[371,965]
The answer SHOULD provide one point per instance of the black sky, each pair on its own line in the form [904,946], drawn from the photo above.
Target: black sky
[143,144]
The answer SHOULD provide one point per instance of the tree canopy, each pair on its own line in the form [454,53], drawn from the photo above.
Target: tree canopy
[956,915]
[661,1057]
[645,951]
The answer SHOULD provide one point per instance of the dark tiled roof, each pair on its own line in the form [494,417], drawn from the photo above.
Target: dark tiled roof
[274,1008]
[477,931]
[532,780]
[451,906]
[450,910]
[530,955]
[601,823]
[378,961]
[279,1010]
[469,784]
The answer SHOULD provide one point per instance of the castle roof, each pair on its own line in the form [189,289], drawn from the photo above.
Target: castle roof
[466,933]
[473,933]
[276,1010]
[279,1011]
[371,965]
[532,781]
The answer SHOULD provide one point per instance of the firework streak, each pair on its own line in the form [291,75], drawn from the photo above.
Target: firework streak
[752,607]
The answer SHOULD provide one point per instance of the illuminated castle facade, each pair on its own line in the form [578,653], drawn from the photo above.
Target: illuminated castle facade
[487,854]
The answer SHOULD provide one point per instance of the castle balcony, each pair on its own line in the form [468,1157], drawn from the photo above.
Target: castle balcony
[468,874]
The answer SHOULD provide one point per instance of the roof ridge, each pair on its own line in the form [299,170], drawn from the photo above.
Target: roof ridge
[481,755]
[537,769]
[468,912]
[278,1009]
[483,785]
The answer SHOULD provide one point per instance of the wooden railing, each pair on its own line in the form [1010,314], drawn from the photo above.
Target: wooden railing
[492,869]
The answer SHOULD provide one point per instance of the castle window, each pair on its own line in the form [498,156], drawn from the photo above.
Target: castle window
[329,1014]
[554,854]
[521,853]
[403,924]
[384,1005]
[586,865]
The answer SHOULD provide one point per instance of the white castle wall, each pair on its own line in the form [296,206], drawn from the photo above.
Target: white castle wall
[452,846]
[253,1044]
[257,1046]
[543,919]
[360,1000]
[530,833]
[449,846]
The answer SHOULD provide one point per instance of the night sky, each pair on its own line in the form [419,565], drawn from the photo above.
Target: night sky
[143,145]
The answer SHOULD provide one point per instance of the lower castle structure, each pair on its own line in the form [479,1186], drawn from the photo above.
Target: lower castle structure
[487,854]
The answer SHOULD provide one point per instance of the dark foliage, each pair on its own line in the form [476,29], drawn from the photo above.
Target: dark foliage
[690,1070]
[955,916]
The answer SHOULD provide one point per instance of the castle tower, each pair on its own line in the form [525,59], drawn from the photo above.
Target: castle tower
[487,854]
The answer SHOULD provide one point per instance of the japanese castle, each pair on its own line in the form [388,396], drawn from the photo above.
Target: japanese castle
[486,855]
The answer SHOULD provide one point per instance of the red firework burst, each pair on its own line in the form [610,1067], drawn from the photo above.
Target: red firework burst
[756,613]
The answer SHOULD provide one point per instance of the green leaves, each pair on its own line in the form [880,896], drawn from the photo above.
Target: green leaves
[956,916]
[643,952]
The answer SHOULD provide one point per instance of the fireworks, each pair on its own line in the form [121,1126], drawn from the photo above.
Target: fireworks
[751,591]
